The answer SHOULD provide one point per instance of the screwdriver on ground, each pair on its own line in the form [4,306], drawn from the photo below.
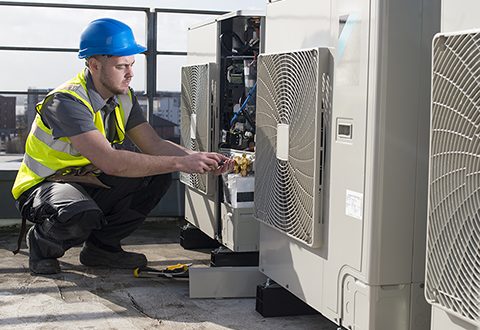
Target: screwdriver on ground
[178,270]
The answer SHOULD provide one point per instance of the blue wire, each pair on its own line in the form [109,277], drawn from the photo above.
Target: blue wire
[244,105]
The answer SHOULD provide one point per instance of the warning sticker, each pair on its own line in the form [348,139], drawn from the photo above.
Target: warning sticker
[354,204]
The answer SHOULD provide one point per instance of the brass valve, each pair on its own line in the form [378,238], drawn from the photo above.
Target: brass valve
[242,165]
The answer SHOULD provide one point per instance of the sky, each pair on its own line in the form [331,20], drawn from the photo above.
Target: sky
[52,27]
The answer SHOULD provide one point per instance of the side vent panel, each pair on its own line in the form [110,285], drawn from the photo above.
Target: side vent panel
[293,101]
[453,244]
[195,113]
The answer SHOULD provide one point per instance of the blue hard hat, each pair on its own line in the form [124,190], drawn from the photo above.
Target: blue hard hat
[107,36]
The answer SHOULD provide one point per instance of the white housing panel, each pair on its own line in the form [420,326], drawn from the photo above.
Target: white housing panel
[202,43]
[368,271]
[460,15]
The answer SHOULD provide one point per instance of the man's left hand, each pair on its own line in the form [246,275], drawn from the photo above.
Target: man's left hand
[224,166]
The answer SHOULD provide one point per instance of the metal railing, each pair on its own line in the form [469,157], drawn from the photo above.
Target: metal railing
[151,35]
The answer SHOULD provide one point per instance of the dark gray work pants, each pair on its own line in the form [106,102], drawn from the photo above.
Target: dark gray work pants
[67,214]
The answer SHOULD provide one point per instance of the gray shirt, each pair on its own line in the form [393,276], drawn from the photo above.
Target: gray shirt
[68,116]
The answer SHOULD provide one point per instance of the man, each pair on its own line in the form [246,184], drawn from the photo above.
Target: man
[73,184]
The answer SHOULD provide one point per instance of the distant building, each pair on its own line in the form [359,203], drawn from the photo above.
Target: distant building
[34,96]
[143,102]
[169,106]
[166,105]
[165,128]
[7,114]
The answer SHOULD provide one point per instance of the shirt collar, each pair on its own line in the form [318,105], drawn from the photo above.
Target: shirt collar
[95,98]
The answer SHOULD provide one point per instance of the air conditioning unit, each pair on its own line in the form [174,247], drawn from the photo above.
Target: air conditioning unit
[342,157]
[218,115]
[452,279]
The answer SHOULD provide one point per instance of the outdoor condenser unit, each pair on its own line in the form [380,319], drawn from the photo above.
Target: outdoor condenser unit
[218,114]
[342,156]
[452,280]
[453,248]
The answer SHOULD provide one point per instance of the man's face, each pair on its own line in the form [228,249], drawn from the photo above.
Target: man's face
[115,73]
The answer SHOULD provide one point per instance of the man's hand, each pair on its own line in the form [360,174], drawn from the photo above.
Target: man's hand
[225,166]
[203,162]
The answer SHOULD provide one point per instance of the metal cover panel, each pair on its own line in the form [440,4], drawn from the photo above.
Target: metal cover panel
[453,244]
[239,229]
[459,18]
[195,109]
[293,92]
[224,282]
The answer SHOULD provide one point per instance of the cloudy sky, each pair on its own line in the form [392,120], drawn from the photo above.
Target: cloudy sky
[52,27]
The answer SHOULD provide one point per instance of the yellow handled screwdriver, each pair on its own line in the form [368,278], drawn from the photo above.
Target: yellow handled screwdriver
[178,270]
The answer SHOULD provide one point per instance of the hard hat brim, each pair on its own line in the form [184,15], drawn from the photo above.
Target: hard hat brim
[132,50]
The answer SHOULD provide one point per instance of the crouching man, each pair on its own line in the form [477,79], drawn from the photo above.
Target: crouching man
[74,184]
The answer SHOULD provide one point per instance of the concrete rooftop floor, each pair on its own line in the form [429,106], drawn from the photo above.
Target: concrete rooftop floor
[93,298]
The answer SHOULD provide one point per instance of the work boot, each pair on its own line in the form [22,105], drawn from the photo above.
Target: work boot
[92,255]
[37,264]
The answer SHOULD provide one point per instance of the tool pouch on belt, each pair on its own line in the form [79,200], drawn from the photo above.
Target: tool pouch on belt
[87,175]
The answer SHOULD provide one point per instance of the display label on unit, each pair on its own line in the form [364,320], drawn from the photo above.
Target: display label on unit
[354,204]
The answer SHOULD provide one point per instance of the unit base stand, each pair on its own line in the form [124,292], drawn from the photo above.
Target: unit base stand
[222,257]
[224,282]
[274,300]
[193,238]
[230,275]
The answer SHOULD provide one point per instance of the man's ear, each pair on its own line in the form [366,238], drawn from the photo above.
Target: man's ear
[94,64]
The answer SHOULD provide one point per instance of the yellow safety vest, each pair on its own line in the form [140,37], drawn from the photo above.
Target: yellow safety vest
[45,155]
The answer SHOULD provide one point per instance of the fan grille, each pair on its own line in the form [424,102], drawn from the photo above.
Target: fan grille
[288,192]
[453,246]
[195,101]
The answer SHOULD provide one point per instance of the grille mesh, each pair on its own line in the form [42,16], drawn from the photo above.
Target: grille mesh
[453,245]
[288,193]
[195,101]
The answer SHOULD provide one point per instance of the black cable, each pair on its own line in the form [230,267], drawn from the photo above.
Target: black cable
[245,45]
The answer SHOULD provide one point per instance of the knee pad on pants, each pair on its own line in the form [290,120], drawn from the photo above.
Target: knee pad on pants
[73,224]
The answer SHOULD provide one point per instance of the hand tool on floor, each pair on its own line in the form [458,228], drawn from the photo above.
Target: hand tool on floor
[178,270]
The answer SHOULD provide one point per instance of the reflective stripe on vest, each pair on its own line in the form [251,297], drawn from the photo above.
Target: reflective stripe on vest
[37,167]
[45,155]
[126,103]
[56,144]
